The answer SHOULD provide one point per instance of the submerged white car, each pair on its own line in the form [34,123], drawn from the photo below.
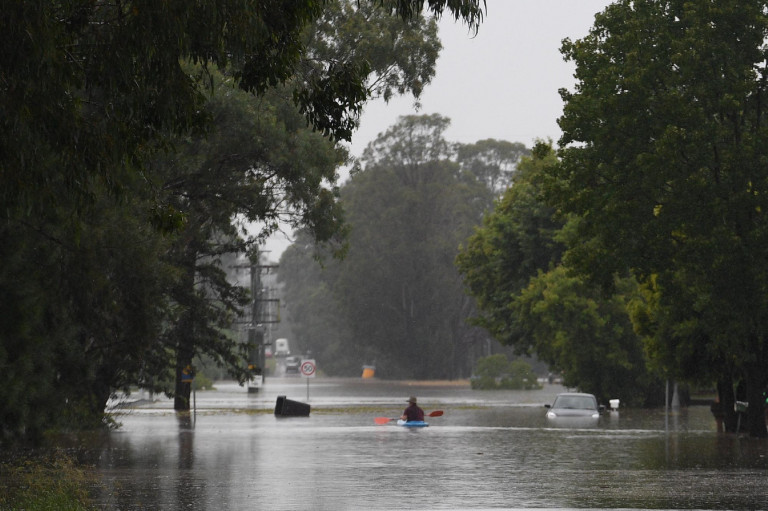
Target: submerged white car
[575,405]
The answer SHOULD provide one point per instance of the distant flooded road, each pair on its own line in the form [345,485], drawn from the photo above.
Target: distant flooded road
[490,450]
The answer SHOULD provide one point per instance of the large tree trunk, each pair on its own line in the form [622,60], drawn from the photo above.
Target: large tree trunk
[183,364]
[756,409]
[185,337]
[727,402]
[101,393]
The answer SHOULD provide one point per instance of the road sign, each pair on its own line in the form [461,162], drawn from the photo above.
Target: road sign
[308,368]
[188,374]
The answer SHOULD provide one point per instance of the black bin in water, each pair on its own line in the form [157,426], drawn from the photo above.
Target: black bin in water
[288,408]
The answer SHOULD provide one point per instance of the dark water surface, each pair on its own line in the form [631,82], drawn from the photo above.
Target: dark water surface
[490,450]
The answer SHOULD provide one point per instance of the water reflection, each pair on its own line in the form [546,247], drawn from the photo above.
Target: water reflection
[189,490]
[489,451]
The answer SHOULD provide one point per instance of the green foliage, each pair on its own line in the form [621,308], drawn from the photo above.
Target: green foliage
[92,89]
[85,303]
[497,372]
[314,313]
[587,336]
[521,376]
[515,241]
[394,50]
[202,382]
[238,170]
[493,366]
[50,483]
[529,300]
[469,11]
[663,158]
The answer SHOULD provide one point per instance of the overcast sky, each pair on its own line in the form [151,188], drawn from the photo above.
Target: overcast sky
[501,83]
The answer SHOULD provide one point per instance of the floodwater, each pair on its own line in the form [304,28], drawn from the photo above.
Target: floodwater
[490,450]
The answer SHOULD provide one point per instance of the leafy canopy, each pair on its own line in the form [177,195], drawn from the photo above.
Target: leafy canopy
[91,89]
[663,159]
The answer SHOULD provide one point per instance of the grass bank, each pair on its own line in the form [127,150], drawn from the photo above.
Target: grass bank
[50,482]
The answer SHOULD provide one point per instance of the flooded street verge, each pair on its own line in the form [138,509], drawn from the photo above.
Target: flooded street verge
[490,450]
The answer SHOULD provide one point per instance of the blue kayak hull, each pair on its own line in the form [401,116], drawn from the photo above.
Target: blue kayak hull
[412,424]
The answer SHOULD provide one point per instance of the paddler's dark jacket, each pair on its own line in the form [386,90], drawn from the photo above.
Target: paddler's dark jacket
[414,413]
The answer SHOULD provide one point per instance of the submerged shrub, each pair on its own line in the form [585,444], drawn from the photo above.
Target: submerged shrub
[496,372]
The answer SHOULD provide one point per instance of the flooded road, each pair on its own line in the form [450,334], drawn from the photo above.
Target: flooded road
[490,450]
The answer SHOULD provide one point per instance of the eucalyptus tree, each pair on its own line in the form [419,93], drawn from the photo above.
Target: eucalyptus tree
[308,273]
[493,161]
[399,295]
[408,211]
[663,158]
[259,163]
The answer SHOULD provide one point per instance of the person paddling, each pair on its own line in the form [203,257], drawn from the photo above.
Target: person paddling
[413,412]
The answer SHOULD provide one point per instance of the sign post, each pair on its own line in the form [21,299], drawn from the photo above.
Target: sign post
[307,369]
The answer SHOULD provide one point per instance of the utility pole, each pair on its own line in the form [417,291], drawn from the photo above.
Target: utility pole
[260,316]
[256,359]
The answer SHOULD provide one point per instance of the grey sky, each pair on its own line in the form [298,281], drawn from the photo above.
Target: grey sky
[503,82]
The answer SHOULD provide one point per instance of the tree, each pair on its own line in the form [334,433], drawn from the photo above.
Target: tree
[408,211]
[308,273]
[493,161]
[587,337]
[239,169]
[83,306]
[236,174]
[93,95]
[397,289]
[516,240]
[663,153]
[527,299]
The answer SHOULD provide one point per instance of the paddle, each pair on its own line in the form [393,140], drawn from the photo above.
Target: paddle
[384,420]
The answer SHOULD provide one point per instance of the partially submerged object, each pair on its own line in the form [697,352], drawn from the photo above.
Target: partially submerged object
[289,408]
[574,405]
[412,424]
